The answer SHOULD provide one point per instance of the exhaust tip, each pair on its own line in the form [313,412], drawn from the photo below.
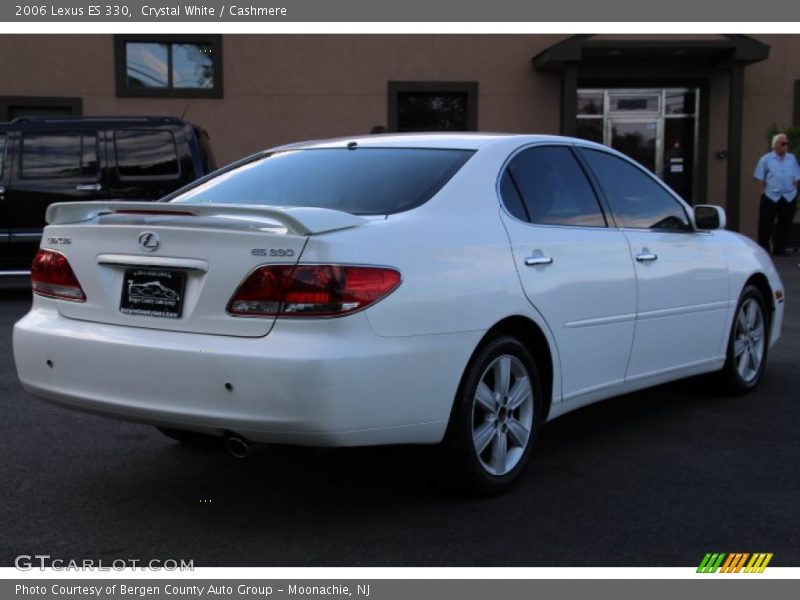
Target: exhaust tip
[237,447]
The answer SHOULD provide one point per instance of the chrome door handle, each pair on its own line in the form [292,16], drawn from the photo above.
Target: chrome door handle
[534,261]
[88,187]
[646,257]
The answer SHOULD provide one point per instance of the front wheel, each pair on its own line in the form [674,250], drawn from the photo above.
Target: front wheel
[496,416]
[748,343]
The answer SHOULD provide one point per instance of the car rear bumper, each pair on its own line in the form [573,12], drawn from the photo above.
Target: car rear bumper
[321,383]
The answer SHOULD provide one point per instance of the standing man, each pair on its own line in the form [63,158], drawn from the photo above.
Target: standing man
[778,174]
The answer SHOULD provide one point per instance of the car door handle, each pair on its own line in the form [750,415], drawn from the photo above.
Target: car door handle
[534,261]
[646,257]
[88,187]
[2,189]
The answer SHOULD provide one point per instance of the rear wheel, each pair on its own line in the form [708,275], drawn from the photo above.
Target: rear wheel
[748,343]
[496,416]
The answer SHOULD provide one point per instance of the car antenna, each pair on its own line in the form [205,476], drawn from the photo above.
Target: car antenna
[185,110]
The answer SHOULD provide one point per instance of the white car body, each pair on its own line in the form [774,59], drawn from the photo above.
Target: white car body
[387,374]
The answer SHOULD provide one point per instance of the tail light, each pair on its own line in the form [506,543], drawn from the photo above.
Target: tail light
[311,290]
[52,276]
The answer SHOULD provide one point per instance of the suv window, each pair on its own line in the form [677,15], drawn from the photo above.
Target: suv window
[637,200]
[553,188]
[361,181]
[146,153]
[59,155]
[2,153]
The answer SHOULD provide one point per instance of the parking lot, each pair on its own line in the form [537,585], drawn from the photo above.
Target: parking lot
[656,478]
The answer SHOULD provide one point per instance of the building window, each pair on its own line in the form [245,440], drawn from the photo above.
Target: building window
[169,66]
[14,107]
[433,106]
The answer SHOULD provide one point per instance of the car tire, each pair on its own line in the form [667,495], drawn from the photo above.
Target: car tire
[748,343]
[190,438]
[496,416]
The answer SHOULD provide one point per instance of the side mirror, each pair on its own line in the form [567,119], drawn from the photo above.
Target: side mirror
[709,217]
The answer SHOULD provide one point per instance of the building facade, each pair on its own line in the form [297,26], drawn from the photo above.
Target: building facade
[696,110]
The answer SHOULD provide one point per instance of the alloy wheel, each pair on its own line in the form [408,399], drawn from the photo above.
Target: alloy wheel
[502,415]
[749,340]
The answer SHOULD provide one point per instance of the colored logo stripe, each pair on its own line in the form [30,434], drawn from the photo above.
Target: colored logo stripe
[710,563]
[734,563]
[758,563]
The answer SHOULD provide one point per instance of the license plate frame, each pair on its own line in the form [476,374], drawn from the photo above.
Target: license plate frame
[153,292]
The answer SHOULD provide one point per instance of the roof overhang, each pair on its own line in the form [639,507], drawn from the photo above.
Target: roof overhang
[712,53]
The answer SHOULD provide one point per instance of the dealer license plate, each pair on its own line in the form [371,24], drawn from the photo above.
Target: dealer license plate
[153,292]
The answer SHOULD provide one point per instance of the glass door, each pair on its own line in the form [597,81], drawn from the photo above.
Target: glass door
[655,127]
[637,138]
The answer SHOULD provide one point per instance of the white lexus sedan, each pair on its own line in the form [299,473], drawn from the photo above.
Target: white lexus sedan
[400,289]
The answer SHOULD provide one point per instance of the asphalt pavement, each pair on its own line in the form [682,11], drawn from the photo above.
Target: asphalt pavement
[655,478]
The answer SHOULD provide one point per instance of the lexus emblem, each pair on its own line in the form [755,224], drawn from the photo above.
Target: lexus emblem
[148,241]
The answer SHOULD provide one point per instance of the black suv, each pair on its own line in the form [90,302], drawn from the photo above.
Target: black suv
[47,160]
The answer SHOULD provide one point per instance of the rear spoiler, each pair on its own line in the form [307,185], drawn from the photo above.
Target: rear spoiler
[299,220]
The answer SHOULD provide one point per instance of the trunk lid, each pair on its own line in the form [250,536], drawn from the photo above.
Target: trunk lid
[169,267]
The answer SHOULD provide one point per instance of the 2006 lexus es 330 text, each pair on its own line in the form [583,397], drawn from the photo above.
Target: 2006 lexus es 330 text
[461,288]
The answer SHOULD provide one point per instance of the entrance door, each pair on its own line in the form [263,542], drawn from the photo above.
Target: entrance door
[655,127]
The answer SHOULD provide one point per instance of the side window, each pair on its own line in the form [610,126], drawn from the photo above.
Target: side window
[511,197]
[59,155]
[554,189]
[636,199]
[146,153]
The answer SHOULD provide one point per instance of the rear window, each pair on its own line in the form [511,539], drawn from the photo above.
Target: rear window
[362,181]
[146,153]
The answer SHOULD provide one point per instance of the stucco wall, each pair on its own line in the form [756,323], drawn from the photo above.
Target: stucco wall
[284,88]
[280,89]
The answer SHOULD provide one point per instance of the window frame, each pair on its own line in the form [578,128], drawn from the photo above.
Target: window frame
[470,88]
[121,67]
[599,197]
[581,150]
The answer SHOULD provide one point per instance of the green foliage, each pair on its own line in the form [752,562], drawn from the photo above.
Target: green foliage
[792,133]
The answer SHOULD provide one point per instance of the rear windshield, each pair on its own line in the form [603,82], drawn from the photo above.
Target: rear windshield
[362,181]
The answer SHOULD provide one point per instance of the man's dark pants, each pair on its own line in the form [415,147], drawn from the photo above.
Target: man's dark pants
[767,214]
